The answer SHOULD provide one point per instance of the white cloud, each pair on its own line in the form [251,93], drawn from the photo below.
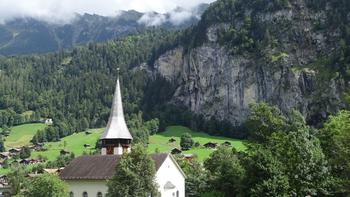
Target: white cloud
[64,10]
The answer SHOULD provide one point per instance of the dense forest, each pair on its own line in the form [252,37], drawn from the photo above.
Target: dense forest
[75,88]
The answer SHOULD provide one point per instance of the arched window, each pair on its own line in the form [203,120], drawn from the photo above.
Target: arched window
[99,194]
[71,194]
[85,194]
[177,193]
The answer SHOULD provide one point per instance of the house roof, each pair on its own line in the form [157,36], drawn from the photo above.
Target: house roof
[99,167]
[116,127]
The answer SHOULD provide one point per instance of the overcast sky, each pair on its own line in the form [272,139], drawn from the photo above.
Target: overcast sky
[63,10]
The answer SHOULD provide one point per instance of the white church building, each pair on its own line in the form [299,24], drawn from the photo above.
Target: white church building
[87,176]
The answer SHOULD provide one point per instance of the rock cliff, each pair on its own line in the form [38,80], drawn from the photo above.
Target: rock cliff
[288,65]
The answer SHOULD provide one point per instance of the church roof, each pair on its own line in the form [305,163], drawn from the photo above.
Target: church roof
[116,127]
[99,167]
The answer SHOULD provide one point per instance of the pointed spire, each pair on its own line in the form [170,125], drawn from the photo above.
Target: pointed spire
[116,127]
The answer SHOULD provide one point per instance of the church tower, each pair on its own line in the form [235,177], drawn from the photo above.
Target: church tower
[116,139]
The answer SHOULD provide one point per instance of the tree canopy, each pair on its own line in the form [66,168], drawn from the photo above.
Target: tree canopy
[46,185]
[134,176]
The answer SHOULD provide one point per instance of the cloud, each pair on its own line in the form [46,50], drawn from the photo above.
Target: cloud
[65,10]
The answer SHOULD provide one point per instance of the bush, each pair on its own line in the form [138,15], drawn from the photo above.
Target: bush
[186,141]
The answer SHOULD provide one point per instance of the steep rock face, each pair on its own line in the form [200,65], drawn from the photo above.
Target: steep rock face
[215,82]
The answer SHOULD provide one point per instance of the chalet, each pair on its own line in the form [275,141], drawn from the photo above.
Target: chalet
[25,161]
[226,143]
[88,175]
[171,140]
[49,121]
[188,157]
[210,145]
[4,155]
[4,186]
[14,151]
[176,151]
[64,152]
[53,170]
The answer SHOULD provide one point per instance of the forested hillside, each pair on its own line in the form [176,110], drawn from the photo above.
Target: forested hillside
[75,88]
[287,53]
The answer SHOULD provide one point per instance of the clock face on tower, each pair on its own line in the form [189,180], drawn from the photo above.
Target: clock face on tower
[109,150]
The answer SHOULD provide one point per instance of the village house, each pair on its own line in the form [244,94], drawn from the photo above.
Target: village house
[4,155]
[14,151]
[210,145]
[226,143]
[188,157]
[175,151]
[49,121]
[88,175]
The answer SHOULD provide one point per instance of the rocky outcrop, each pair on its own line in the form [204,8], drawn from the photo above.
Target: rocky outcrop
[213,81]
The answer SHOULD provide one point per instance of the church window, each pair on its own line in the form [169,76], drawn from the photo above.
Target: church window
[71,194]
[85,194]
[99,194]
[177,193]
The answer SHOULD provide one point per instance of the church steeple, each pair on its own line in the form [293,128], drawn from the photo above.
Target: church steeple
[116,138]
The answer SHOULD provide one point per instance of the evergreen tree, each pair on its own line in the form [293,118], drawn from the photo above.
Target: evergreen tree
[186,141]
[2,146]
[25,152]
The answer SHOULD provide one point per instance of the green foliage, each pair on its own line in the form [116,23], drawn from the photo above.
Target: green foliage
[2,146]
[134,176]
[61,161]
[24,152]
[286,159]
[263,121]
[335,141]
[77,94]
[140,129]
[186,141]
[16,179]
[46,185]
[195,177]
[225,171]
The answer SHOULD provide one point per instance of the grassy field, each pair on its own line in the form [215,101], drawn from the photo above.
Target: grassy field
[74,143]
[22,134]
[160,141]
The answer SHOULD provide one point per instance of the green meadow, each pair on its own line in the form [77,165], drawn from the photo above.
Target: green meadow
[22,134]
[73,143]
[159,142]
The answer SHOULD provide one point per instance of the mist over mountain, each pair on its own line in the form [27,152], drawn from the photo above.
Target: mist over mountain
[31,35]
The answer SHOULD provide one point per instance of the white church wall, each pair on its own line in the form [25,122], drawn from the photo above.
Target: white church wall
[91,187]
[170,172]
[103,151]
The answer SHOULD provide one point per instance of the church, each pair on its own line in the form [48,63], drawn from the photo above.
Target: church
[87,176]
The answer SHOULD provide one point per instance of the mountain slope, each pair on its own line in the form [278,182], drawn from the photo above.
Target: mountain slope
[288,53]
[28,35]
